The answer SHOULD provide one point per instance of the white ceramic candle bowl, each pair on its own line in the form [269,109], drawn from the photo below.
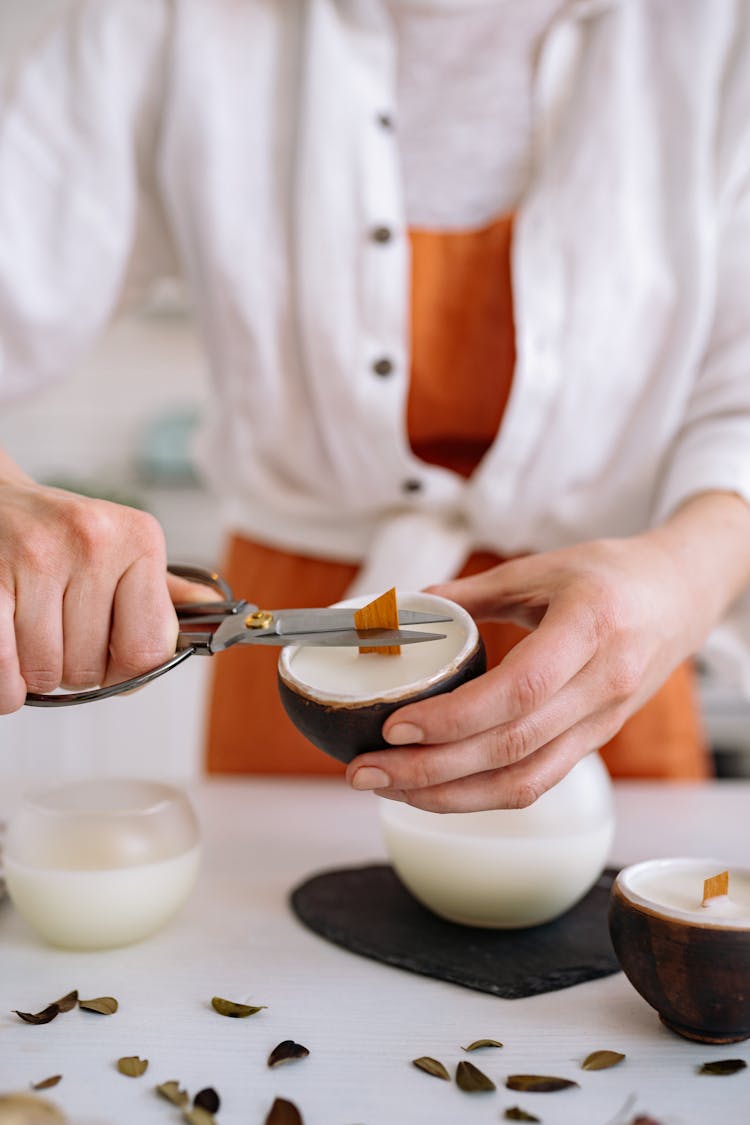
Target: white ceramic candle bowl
[100,863]
[690,962]
[508,868]
[339,698]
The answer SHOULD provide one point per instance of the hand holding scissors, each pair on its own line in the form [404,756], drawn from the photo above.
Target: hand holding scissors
[213,626]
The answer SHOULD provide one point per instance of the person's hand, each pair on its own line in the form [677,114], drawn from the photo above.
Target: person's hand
[609,620]
[84,594]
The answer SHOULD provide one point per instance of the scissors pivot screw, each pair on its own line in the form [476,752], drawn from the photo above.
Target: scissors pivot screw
[260,619]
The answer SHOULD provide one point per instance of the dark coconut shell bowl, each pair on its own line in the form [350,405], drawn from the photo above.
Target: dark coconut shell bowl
[691,963]
[339,698]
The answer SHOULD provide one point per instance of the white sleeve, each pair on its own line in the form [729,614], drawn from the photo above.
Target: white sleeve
[78,125]
[713,448]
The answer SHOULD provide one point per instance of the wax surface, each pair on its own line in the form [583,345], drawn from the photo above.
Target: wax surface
[677,888]
[345,673]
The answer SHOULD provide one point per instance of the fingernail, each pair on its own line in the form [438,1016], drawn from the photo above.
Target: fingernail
[369,777]
[402,733]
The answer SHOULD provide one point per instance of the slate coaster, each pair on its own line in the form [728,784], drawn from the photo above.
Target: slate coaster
[369,911]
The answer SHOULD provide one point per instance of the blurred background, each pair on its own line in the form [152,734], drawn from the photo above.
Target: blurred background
[122,427]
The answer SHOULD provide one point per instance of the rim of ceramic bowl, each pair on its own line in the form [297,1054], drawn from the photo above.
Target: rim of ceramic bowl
[406,600]
[623,884]
[41,799]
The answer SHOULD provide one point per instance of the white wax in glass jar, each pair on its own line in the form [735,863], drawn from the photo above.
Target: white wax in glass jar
[675,887]
[101,862]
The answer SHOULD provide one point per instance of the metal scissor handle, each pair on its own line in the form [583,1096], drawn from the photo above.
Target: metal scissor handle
[67,699]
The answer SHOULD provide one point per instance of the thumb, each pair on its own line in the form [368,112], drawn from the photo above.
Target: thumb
[183,590]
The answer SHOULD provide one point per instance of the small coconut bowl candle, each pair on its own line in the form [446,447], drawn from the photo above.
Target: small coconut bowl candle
[506,868]
[685,949]
[340,697]
[101,862]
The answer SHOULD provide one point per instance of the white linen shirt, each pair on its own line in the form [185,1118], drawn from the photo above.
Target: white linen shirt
[249,140]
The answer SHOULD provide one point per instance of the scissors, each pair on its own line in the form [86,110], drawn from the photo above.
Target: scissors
[213,626]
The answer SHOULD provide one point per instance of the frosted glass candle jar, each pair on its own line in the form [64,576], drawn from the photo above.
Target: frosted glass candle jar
[100,863]
[688,961]
[506,868]
[339,698]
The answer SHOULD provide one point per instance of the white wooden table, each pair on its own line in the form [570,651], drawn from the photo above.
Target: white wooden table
[362,1021]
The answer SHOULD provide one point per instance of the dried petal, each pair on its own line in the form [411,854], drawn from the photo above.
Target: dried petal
[132,1066]
[601,1060]
[538,1083]
[471,1080]
[104,1005]
[479,1043]
[432,1066]
[198,1116]
[68,1002]
[515,1113]
[723,1066]
[286,1051]
[283,1112]
[207,1099]
[172,1092]
[236,1011]
[47,1083]
[644,1119]
[45,1016]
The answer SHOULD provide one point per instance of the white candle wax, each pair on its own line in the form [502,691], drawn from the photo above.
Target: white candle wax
[346,674]
[93,909]
[675,887]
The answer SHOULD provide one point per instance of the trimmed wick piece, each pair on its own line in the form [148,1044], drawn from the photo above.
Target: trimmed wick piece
[382,613]
[715,887]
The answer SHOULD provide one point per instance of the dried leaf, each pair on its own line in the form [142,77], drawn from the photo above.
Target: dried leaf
[723,1066]
[601,1060]
[283,1112]
[47,1083]
[287,1051]
[104,1005]
[515,1113]
[471,1080]
[68,1002]
[45,1016]
[132,1066]
[198,1116]
[207,1099]
[432,1066]
[537,1083]
[644,1119]
[172,1092]
[479,1043]
[236,1011]
[382,613]
[64,1004]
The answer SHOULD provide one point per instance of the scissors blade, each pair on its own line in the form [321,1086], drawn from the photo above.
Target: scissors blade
[336,619]
[341,637]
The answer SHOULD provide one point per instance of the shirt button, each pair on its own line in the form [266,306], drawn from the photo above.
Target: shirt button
[385,121]
[383,366]
[381,234]
[411,484]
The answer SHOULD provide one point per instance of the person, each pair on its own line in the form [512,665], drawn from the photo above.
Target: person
[472,280]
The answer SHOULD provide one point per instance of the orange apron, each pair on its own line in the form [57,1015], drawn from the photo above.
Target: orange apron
[463,355]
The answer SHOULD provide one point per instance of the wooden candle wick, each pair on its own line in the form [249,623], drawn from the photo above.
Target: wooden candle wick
[382,613]
[716,886]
